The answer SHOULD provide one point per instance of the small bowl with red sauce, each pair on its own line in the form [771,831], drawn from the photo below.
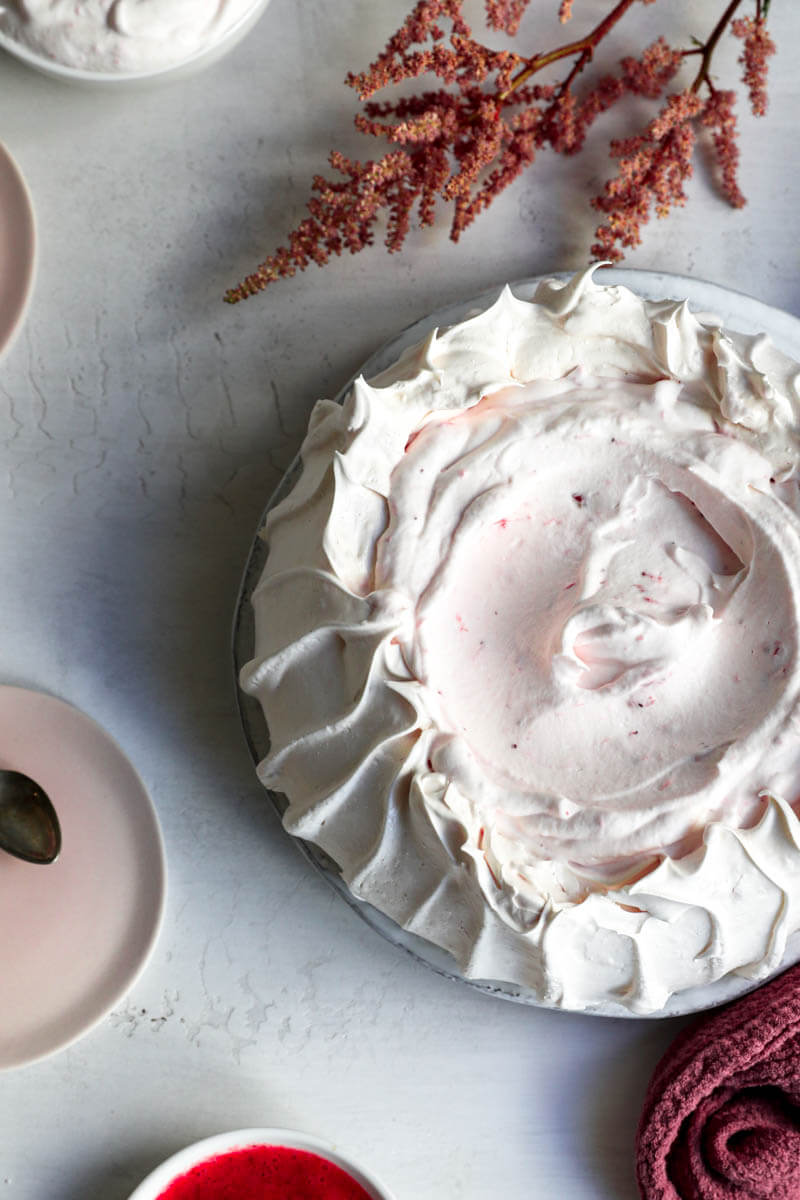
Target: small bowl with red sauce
[261,1164]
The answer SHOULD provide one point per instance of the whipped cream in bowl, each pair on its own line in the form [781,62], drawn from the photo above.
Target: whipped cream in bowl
[525,633]
[123,41]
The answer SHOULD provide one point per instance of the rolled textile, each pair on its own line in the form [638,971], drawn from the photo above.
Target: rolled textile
[721,1118]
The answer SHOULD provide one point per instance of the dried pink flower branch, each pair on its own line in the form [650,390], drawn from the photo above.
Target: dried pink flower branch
[464,140]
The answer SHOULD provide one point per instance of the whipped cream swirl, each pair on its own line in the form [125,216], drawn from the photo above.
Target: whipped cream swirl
[527,646]
[121,35]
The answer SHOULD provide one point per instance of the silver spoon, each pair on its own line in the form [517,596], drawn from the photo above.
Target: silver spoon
[29,827]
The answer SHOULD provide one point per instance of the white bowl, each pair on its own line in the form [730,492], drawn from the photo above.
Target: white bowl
[117,79]
[241,1139]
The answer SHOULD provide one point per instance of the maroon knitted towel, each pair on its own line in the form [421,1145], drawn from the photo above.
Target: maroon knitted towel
[721,1119]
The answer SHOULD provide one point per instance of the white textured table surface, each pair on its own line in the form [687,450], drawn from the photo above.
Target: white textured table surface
[144,424]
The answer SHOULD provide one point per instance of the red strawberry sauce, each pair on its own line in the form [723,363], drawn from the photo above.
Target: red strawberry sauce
[265,1173]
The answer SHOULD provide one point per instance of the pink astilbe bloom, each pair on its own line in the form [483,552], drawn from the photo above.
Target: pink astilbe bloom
[342,216]
[565,11]
[431,126]
[650,74]
[505,15]
[758,47]
[397,62]
[719,117]
[646,76]
[428,117]
[520,143]
[558,126]
[476,63]
[652,171]
[475,151]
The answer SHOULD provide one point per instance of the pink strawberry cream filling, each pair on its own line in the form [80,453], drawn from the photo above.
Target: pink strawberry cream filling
[527,646]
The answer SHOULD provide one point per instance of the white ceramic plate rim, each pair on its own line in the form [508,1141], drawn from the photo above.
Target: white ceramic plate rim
[241,1139]
[17,285]
[738,312]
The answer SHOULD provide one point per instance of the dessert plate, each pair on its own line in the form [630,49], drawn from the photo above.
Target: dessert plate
[74,935]
[17,249]
[737,312]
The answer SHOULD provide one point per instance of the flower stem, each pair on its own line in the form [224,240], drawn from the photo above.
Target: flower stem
[584,47]
[709,47]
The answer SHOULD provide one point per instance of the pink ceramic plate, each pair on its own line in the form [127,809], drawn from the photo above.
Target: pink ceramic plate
[74,935]
[17,248]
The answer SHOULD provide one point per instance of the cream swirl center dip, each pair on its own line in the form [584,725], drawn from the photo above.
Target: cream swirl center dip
[120,35]
[527,646]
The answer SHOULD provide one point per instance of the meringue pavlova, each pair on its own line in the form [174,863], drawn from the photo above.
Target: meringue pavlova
[527,646]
